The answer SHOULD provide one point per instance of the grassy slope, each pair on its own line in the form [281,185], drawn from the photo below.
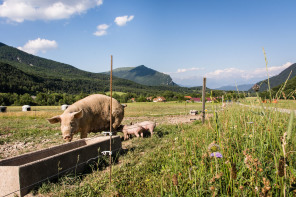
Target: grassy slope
[176,162]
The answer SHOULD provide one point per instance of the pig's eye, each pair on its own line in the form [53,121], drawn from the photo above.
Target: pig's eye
[72,124]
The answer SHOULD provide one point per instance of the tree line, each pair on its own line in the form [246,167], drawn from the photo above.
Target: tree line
[55,99]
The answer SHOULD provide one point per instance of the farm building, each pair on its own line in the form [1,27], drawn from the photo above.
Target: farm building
[64,107]
[159,99]
[188,97]
[208,100]
[149,98]
[3,109]
[26,108]
[195,100]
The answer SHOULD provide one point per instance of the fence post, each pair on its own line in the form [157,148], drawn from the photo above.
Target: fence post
[110,157]
[203,99]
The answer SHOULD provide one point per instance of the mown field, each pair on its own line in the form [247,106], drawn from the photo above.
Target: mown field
[256,153]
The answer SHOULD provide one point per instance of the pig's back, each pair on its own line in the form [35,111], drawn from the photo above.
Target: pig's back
[96,111]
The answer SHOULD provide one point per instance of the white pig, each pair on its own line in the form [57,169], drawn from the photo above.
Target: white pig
[148,125]
[132,130]
[91,114]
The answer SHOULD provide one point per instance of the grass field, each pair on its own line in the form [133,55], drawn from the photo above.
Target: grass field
[257,148]
[285,104]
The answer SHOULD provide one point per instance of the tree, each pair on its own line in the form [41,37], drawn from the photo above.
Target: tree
[26,99]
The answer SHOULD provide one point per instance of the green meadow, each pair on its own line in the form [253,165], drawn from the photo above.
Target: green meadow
[239,151]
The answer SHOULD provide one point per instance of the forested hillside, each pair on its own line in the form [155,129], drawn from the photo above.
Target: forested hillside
[143,75]
[25,73]
[278,79]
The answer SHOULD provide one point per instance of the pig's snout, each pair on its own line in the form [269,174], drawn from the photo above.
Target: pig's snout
[67,138]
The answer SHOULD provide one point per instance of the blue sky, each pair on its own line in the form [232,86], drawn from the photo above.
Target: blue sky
[219,39]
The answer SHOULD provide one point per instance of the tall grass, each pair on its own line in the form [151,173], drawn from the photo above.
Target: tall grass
[177,161]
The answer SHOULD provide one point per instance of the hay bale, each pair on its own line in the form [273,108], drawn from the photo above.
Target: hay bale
[193,112]
[26,108]
[3,109]
[64,107]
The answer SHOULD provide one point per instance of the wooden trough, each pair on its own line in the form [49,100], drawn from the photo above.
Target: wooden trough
[22,173]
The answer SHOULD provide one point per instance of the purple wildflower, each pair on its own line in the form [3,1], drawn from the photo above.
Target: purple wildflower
[216,154]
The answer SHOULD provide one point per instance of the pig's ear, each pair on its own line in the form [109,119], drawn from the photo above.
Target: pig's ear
[78,114]
[54,119]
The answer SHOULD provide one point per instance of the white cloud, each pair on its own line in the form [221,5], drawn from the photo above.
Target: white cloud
[247,74]
[122,20]
[183,70]
[101,30]
[34,46]
[227,76]
[21,10]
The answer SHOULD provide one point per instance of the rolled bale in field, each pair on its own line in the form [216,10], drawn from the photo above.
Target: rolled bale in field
[64,107]
[91,114]
[26,108]
[193,112]
[3,109]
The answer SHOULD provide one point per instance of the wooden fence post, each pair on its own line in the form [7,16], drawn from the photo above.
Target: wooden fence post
[204,100]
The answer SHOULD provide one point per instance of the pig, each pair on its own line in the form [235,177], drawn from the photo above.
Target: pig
[91,114]
[148,125]
[132,130]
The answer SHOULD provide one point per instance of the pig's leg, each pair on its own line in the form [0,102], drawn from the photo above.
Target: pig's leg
[137,134]
[83,135]
[125,135]
[151,130]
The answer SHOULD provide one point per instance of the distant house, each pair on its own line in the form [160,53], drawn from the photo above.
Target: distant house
[149,98]
[196,100]
[133,99]
[188,97]
[208,100]
[159,99]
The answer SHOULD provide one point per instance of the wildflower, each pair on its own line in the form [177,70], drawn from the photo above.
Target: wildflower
[218,176]
[212,188]
[214,147]
[216,154]
[241,187]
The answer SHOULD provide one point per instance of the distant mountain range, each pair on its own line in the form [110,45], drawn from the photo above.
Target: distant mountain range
[244,87]
[278,79]
[143,75]
[25,73]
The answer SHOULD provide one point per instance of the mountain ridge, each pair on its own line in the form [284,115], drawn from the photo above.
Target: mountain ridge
[278,79]
[60,77]
[143,75]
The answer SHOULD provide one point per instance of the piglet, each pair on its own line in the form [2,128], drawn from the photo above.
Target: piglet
[132,130]
[147,125]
